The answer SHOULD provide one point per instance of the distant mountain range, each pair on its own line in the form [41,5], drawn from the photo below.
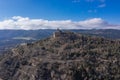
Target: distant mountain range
[10,38]
[63,56]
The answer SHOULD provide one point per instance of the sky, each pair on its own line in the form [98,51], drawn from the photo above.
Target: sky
[64,14]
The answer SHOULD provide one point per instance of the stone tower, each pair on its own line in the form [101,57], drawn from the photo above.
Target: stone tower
[57,33]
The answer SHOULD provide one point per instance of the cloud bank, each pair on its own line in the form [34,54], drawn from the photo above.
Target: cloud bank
[25,23]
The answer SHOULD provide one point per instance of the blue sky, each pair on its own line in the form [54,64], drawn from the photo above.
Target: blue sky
[52,10]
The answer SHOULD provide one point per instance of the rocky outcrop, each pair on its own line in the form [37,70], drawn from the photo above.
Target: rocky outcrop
[66,57]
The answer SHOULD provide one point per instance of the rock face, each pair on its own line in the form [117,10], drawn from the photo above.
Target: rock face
[69,56]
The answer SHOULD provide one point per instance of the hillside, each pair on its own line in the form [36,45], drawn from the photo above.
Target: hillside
[63,56]
[11,38]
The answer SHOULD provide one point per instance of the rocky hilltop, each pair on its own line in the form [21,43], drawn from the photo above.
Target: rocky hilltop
[63,56]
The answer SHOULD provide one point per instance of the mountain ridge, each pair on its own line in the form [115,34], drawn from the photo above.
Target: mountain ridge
[11,38]
[65,56]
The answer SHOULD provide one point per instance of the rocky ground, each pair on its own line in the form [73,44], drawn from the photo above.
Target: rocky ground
[68,56]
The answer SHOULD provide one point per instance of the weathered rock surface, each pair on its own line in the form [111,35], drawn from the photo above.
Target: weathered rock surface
[67,56]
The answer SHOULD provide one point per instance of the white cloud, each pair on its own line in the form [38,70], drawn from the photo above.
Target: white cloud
[18,22]
[102,5]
